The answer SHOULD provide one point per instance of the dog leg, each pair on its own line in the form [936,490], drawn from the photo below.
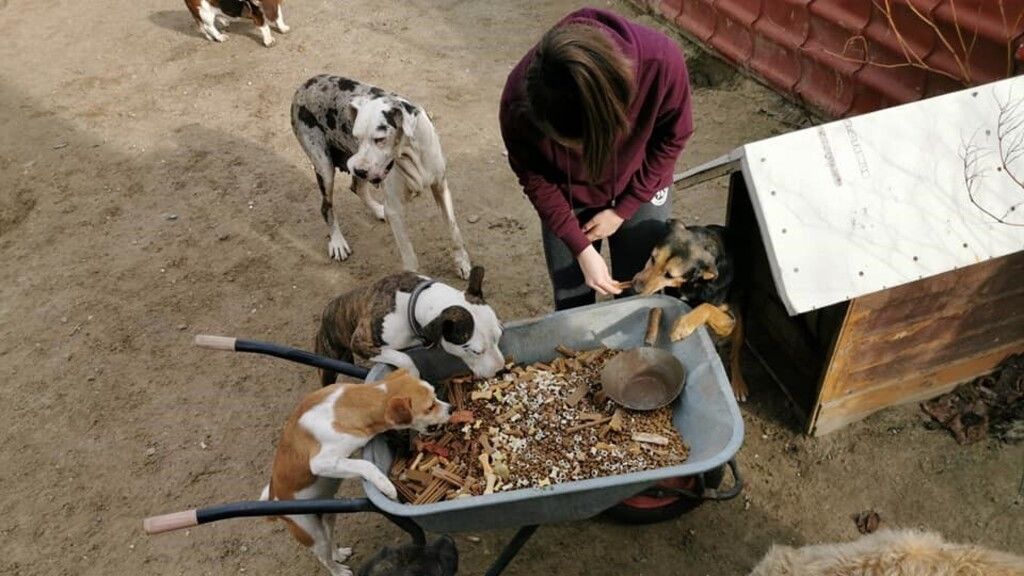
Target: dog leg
[397,359]
[721,322]
[338,247]
[263,23]
[739,384]
[279,20]
[361,188]
[443,197]
[314,143]
[341,553]
[333,464]
[208,26]
[310,530]
[394,209]
[268,39]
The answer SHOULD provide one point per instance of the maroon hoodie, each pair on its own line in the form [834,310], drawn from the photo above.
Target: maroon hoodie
[660,120]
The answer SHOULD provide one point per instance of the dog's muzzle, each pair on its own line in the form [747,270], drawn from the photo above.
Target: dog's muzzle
[384,174]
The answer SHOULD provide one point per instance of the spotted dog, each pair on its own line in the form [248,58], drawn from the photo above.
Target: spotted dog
[263,13]
[380,139]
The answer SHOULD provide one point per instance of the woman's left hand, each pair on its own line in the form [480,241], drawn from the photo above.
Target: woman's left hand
[602,225]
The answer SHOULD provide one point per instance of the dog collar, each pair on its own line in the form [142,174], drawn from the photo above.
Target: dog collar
[414,297]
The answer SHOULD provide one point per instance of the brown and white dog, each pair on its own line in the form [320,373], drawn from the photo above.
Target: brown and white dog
[320,438]
[697,261]
[263,13]
[889,553]
[403,310]
[381,139]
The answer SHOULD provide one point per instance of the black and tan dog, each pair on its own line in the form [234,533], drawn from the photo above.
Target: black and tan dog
[697,261]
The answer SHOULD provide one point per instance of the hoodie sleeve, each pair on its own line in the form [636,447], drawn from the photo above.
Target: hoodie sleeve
[553,208]
[673,127]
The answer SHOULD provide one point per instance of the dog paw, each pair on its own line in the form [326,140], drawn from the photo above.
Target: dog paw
[338,249]
[739,389]
[283,29]
[269,42]
[378,212]
[222,38]
[682,331]
[342,554]
[462,265]
[386,487]
[340,569]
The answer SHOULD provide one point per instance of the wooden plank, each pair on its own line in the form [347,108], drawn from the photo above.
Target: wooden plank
[878,316]
[966,287]
[1003,318]
[921,360]
[835,368]
[840,412]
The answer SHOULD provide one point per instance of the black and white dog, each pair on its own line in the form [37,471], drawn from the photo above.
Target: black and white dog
[403,310]
[378,138]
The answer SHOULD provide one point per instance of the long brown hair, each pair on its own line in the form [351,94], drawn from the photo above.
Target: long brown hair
[579,88]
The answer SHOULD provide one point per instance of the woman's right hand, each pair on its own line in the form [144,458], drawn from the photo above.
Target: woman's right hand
[595,271]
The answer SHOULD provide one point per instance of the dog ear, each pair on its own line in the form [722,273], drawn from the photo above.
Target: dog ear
[410,117]
[398,411]
[352,110]
[475,289]
[454,324]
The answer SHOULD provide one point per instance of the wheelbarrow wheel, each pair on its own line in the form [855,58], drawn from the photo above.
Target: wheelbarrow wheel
[663,502]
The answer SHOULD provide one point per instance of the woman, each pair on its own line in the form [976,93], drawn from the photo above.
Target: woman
[594,118]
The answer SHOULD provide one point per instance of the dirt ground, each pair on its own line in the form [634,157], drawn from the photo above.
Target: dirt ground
[150,189]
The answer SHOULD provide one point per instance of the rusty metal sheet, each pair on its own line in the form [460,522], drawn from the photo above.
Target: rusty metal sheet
[847,57]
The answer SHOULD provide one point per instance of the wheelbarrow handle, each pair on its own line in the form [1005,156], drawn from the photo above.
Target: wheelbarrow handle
[188,518]
[278,351]
[729,494]
[170,522]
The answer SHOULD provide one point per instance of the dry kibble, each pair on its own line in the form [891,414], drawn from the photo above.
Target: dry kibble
[539,425]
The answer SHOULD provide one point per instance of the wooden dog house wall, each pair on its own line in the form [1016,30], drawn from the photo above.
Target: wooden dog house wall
[840,363]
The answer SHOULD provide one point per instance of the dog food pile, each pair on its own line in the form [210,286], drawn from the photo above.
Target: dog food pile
[533,426]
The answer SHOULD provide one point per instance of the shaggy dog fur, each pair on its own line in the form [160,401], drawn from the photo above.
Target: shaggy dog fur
[890,553]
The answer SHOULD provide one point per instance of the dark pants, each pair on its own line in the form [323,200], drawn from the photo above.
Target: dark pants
[630,247]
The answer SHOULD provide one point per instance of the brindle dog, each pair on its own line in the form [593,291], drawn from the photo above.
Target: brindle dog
[697,261]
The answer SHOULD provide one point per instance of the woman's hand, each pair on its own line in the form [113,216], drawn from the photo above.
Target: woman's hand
[602,225]
[595,271]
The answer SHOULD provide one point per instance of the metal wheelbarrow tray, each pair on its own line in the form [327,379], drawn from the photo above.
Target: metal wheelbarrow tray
[706,415]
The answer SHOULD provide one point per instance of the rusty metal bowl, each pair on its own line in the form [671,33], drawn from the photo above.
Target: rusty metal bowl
[643,378]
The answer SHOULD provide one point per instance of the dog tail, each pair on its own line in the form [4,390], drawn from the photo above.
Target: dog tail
[265,497]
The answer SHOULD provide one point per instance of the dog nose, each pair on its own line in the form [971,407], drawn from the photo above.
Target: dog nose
[360,173]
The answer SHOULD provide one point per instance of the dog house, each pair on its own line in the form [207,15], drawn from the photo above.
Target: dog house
[882,255]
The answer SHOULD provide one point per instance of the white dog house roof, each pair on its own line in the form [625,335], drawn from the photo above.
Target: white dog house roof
[875,201]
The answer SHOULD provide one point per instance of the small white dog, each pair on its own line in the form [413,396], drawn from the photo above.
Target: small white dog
[889,553]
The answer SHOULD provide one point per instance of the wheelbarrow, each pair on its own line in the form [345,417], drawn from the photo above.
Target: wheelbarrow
[706,415]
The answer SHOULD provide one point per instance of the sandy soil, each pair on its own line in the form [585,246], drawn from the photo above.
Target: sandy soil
[150,188]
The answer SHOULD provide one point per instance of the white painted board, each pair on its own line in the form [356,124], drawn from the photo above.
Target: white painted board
[875,201]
